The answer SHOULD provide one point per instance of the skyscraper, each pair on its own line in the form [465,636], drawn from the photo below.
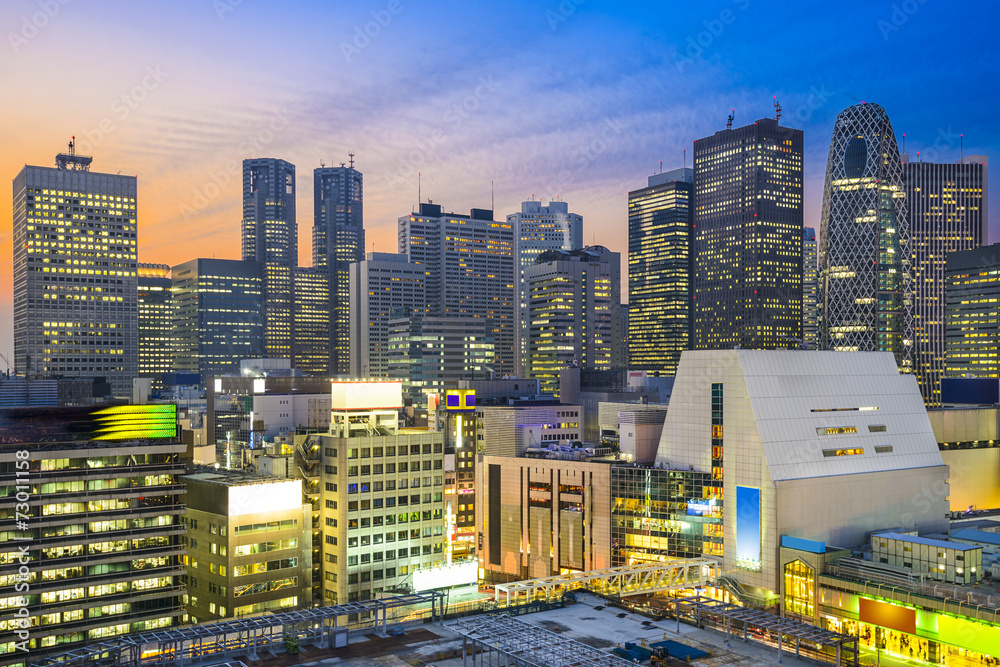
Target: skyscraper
[270,237]
[338,240]
[218,315]
[574,303]
[311,342]
[810,290]
[660,272]
[156,313]
[385,286]
[469,267]
[748,237]
[972,328]
[75,283]
[947,209]
[538,229]
[864,251]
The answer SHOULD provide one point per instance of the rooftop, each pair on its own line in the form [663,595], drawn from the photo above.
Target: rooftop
[940,544]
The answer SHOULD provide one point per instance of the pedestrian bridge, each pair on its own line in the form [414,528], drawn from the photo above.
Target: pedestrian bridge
[621,581]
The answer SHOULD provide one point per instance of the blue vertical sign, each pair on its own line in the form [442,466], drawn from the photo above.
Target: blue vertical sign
[748,528]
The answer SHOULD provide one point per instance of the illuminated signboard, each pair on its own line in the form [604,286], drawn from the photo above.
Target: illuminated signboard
[748,528]
[460,399]
[108,423]
[444,577]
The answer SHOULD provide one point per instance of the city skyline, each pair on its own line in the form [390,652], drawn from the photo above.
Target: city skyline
[180,118]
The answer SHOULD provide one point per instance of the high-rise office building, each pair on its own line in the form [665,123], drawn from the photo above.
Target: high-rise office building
[384,286]
[972,326]
[574,304]
[864,246]
[338,241]
[810,290]
[75,284]
[218,315]
[748,237]
[156,313]
[270,237]
[947,212]
[99,546]
[470,270]
[660,263]
[311,341]
[537,229]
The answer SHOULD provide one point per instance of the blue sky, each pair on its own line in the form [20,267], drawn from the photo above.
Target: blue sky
[576,99]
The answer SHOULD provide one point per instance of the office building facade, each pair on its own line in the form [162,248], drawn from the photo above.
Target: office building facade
[470,270]
[385,286]
[748,238]
[311,341]
[338,241]
[810,290]
[573,313]
[75,273]
[947,212]
[156,313]
[218,315]
[101,538]
[972,326]
[864,251]
[270,237]
[537,229]
[660,265]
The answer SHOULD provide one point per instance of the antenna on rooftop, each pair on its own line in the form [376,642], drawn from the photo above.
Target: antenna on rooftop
[961,147]
[419,200]
[685,158]
[729,123]
[351,155]
[777,109]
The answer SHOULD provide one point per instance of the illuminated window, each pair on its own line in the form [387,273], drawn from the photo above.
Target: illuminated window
[800,582]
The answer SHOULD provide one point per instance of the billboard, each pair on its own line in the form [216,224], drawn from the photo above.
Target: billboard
[748,528]
[108,423]
[366,395]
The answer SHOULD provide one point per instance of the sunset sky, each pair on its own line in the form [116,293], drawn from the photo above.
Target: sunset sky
[580,99]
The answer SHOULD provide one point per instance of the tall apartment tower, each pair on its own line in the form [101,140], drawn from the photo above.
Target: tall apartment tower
[218,315]
[470,270]
[156,312]
[574,310]
[660,264]
[810,290]
[748,238]
[338,241]
[75,281]
[384,287]
[537,229]
[270,237]
[972,329]
[864,247]
[947,209]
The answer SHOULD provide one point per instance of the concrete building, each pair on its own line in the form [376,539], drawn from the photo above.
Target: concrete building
[470,269]
[635,427]
[75,282]
[218,315]
[537,229]
[946,204]
[573,310]
[660,271]
[937,560]
[972,328]
[748,237]
[249,545]
[338,241]
[382,494]
[383,287]
[969,439]
[101,537]
[509,430]
[864,253]
[156,312]
[270,238]
[812,445]
[542,517]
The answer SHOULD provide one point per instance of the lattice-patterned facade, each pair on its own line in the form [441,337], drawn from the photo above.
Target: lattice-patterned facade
[865,240]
